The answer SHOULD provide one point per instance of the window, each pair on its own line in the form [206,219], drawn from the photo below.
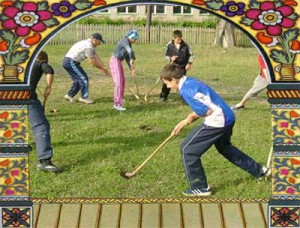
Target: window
[159,9]
[182,10]
[127,9]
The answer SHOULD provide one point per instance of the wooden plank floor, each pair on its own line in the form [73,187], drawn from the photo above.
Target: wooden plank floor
[135,215]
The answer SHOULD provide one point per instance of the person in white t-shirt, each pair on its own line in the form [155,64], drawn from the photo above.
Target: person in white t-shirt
[85,49]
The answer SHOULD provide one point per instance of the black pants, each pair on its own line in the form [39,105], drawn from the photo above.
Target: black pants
[165,90]
[200,140]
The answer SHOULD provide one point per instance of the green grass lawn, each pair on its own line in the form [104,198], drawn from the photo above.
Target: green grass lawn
[94,143]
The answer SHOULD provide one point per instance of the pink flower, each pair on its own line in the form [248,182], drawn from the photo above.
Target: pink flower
[284,124]
[15,172]
[284,172]
[290,190]
[14,125]
[25,19]
[271,18]
[9,192]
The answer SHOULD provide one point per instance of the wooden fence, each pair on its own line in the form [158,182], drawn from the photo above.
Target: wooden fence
[159,35]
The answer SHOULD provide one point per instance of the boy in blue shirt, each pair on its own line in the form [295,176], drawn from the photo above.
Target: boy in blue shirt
[215,130]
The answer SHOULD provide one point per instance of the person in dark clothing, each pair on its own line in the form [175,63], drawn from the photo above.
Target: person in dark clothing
[36,112]
[177,52]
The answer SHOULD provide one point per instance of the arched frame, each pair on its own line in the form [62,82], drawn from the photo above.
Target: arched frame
[273,26]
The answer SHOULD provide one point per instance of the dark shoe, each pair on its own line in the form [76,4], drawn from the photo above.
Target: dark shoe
[48,166]
[234,107]
[266,173]
[163,99]
[198,192]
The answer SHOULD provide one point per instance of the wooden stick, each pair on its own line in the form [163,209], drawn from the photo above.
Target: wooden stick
[130,175]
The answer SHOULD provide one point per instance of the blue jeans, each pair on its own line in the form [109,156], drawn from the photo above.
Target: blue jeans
[78,76]
[40,128]
[200,140]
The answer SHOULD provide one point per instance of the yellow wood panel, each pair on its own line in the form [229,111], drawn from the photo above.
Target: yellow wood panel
[36,211]
[211,215]
[89,215]
[130,216]
[265,210]
[171,215]
[69,215]
[253,216]
[110,215]
[48,216]
[150,215]
[191,215]
[232,215]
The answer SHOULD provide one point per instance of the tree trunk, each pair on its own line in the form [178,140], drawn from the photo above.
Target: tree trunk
[224,35]
[148,22]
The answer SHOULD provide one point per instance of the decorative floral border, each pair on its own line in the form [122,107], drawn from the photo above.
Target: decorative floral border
[23,27]
[272,23]
[285,125]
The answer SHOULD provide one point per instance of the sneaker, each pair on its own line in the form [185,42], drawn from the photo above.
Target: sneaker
[234,107]
[48,166]
[266,173]
[119,108]
[198,192]
[67,97]
[85,100]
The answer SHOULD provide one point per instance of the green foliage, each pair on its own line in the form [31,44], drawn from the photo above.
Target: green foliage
[18,57]
[279,56]
[212,23]
[215,5]
[290,34]
[42,5]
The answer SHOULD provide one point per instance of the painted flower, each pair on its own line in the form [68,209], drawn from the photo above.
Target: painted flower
[31,40]
[15,172]
[26,19]
[232,8]
[284,124]
[295,47]
[14,125]
[271,18]
[64,9]
[290,190]
[284,172]
[9,192]
[4,47]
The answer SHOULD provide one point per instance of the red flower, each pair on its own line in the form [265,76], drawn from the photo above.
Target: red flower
[25,19]
[3,115]
[5,162]
[294,114]
[198,2]
[271,18]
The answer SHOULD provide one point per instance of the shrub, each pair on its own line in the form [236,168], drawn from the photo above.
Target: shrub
[212,23]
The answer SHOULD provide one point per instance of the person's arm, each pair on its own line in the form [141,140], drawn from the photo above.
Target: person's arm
[49,81]
[190,118]
[97,62]
[190,60]
[48,70]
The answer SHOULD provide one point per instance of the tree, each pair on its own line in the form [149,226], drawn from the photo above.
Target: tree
[224,35]
[148,22]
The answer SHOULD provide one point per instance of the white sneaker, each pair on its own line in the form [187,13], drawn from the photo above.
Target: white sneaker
[119,108]
[85,100]
[67,97]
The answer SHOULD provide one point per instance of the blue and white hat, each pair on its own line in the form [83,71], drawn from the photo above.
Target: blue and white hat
[132,34]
